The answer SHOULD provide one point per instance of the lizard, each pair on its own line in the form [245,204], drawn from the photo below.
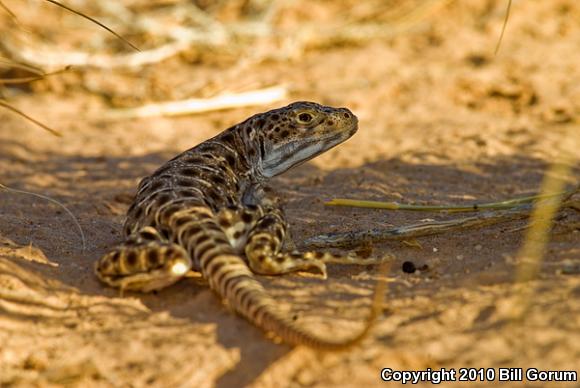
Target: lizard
[209,210]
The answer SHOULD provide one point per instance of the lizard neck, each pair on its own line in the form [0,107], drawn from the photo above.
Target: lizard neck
[246,145]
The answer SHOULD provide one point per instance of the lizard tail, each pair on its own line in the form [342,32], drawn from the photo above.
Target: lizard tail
[232,279]
[229,275]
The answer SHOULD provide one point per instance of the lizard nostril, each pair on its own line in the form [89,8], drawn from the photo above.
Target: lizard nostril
[346,115]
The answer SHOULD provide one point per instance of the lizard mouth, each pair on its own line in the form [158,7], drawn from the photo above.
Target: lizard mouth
[294,154]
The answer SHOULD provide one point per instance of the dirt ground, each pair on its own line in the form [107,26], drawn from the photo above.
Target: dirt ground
[442,120]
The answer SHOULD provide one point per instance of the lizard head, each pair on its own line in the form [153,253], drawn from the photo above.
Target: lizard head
[298,132]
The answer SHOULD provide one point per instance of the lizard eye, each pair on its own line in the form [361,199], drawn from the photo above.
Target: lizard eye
[304,118]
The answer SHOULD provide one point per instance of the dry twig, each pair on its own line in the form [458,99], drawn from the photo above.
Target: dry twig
[92,20]
[522,210]
[507,204]
[4,104]
[5,62]
[198,105]
[22,80]
[507,16]
[51,58]
[354,238]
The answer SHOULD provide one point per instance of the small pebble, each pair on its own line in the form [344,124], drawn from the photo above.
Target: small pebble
[409,267]
[459,257]
[478,247]
[435,249]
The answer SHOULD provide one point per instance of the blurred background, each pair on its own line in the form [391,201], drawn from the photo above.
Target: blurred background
[410,66]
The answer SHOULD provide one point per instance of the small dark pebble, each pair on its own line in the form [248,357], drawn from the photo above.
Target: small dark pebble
[409,267]
[477,60]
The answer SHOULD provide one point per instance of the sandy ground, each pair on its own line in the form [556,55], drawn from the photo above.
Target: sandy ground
[441,121]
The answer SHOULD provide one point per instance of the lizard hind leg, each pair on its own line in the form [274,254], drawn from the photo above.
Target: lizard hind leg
[264,244]
[145,262]
[263,251]
[264,261]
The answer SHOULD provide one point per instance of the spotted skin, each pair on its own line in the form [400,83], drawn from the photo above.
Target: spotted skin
[207,210]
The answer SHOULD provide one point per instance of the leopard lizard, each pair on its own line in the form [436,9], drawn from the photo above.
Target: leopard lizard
[208,210]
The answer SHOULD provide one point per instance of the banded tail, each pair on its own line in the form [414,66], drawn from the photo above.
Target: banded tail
[228,274]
